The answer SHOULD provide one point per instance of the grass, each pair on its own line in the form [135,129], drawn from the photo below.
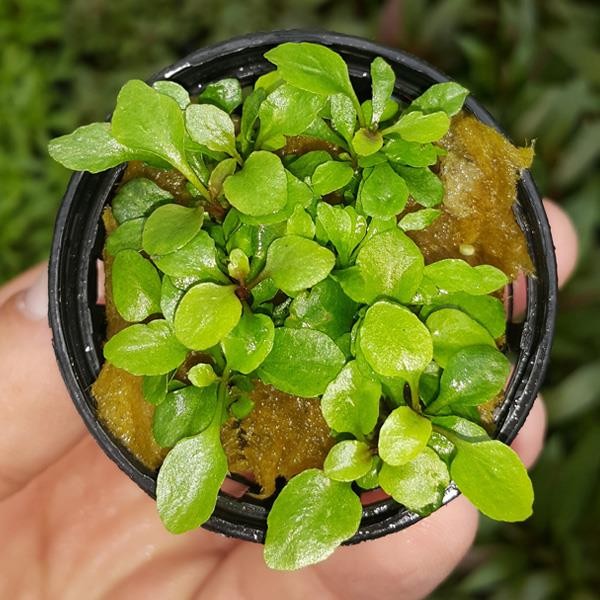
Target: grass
[534,64]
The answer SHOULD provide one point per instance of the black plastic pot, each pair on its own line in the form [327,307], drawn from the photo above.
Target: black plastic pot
[78,322]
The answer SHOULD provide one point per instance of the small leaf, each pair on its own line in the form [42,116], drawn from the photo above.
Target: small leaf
[296,263]
[150,349]
[331,176]
[309,519]
[249,342]
[455,275]
[351,401]
[170,227]
[325,308]
[424,186]
[451,330]
[196,259]
[302,362]
[382,84]
[219,174]
[300,223]
[226,94]
[304,166]
[206,314]
[127,236]
[420,219]
[419,485]
[403,436]
[448,97]
[473,375]
[211,127]
[154,388]
[394,342]
[239,265]
[418,127]
[383,193]
[174,90]
[493,478]
[343,116]
[242,407]
[184,412]
[412,154]
[342,226]
[260,188]
[138,198]
[348,460]
[189,481]
[136,286]
[202,375]
[366,142]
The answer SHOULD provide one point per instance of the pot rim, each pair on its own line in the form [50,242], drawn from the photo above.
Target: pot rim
[75,327]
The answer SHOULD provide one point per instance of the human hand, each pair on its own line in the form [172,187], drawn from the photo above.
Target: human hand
[74,526]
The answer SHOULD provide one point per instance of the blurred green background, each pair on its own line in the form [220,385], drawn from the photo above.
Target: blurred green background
[534,64]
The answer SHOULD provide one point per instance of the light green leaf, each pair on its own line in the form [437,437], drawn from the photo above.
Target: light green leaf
[419,485]
[127,236]
[136,286]
[342,226]
[202,375]
[448,97]
[211,127]
[301,223]
[331,176]
[309,519]
[403,436]
[366,142]
[260,188]
[138,198]
[170,227]
[412,154]
[343,116]
[184,412]
[301,362]
[472,376]
[219,174]
[382,85]
[189,481]
[382,193]
[249,342]
[225,94]
[452,330]
[420,219]
[493,478]
[351,401]
[462,427]
[422,128]
[238,266]
[206,314]
[174,90]
[348,460]
[296,263]
[455,275]
[150,349]
[394,342]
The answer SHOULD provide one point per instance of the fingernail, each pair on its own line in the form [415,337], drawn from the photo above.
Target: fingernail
[34,304]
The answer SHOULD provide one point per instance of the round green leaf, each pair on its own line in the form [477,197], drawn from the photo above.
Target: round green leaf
[136,286]
[127,236]
[202,375]
[309,519]
[472,376]
[448,96]
[419,485]
[249,342]
[391,265]
[138,198]
[351,401]
[403,436]
[302,362]
[417,127]
[366,142]
[189,481]
[296,263]
[330,176]
[383,193]
[394,342]
[183,413]
[493,478]
[150,349]
[420,219]
[171,227]
[260,188]
[455,275]
[206,314]
[211,127]
[452,330]
[348,460]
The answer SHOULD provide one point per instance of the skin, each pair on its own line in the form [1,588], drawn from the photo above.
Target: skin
[78,528]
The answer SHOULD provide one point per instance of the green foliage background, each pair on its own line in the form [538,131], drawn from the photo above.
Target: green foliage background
[534,64]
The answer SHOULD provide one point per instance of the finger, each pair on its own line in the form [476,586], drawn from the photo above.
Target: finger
[566,246]
[39,422]
[530,439]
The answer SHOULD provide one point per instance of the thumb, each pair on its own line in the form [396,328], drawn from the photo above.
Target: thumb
[39,422]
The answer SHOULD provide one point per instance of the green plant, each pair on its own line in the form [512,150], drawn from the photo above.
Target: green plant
[246,271]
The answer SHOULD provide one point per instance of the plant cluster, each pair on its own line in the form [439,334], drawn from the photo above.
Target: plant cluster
[297,270]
